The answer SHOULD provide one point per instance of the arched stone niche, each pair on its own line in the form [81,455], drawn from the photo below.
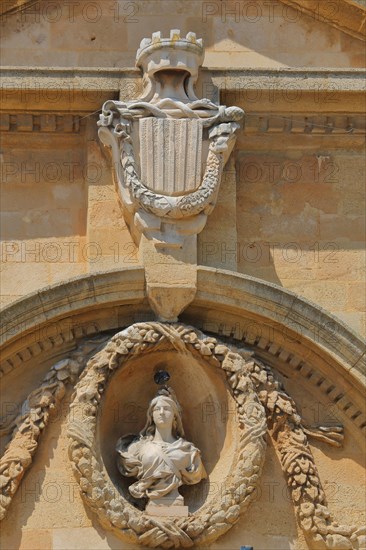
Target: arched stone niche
[208,415]
[241,443]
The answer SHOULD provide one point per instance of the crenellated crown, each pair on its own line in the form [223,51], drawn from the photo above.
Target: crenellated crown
[176,52]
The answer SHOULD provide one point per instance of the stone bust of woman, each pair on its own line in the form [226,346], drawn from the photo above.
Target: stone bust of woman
[160,458]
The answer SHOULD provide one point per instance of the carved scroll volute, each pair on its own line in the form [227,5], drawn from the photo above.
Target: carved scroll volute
[169,149]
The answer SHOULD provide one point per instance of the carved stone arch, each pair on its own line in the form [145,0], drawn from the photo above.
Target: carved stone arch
[278,324]
[288,332]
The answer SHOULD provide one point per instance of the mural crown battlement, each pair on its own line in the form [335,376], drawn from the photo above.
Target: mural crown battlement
[176,52]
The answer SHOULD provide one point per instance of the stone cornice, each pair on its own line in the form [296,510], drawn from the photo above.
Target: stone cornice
[255,124]
[42,122]
[297,102]
[345,15]
[307,124]
[307,79]
[110,79]
[83,90]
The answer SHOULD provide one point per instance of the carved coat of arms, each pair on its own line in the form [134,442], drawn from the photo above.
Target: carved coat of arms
[169,147]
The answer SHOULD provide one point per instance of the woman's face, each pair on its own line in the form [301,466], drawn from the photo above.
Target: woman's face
[163,414]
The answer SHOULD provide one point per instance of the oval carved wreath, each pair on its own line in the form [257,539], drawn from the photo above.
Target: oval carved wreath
[216,516]
[262,404]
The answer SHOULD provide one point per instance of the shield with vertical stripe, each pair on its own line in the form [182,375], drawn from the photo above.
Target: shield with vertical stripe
[170,154]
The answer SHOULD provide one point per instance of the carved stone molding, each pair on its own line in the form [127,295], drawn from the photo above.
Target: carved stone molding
[344,15]
[309,124]
[50,122]
[56,304]
[12,6]
[111,80]
[47,346]
[255,123]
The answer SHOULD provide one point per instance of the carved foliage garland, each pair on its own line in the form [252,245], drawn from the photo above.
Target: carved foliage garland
[216,516]
[255,390]
[297,461]
[36,411]
[174,207]
[261,403]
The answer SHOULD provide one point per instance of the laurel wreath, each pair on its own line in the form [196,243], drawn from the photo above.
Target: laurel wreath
[215,517]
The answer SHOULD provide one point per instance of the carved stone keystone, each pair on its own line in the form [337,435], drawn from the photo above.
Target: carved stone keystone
[169,149]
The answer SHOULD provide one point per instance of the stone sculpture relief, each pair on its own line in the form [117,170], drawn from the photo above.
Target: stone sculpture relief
[169,149]
[262,404]
[161,141]
[28,426]
[160,458]
[114,511]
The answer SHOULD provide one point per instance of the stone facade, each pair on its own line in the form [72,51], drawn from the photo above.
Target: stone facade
[291,164]
[277,271]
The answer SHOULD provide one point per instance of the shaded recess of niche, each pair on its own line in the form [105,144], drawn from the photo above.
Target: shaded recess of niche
[208,416]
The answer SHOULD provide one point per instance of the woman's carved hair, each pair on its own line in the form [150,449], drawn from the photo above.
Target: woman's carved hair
[169,396]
